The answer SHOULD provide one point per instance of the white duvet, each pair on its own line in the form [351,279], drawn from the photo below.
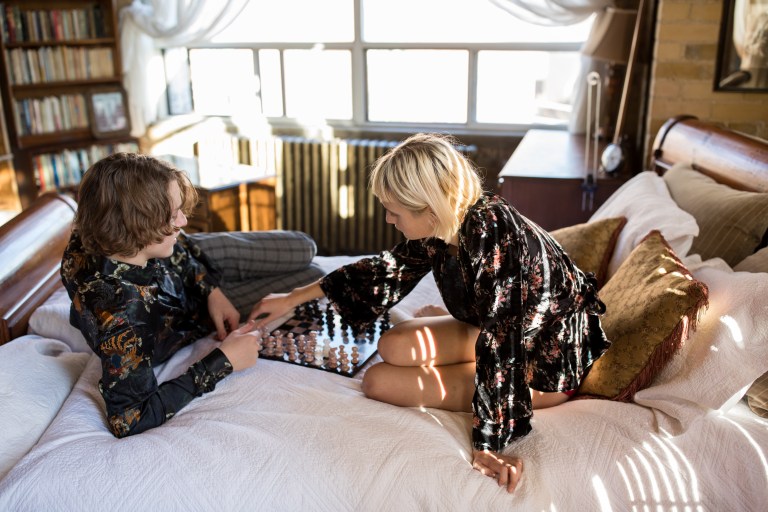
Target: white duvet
[283,437]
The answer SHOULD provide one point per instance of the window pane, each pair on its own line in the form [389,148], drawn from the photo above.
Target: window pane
[525,87]
[457,21]
[318,84]
[292,21]
[223,81]
[270,71]
[428,86]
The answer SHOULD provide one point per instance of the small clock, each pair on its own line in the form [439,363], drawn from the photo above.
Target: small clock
[612,158]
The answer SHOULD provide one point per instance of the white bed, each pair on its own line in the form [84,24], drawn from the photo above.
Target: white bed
[283,437]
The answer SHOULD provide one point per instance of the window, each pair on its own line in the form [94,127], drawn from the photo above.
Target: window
[388,63]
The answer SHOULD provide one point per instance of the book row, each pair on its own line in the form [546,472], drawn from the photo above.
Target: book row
[51,114]
[37,25]
[66,168]
[59,64]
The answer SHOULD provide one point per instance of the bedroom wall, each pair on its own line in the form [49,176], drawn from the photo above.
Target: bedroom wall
[683,72]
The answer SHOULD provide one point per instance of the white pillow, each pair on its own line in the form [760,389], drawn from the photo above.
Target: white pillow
[724,355]
[51,320]
[645,201]
[36,375]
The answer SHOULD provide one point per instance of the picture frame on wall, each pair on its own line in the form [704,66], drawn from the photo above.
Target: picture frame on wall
[108,112]
[742,53]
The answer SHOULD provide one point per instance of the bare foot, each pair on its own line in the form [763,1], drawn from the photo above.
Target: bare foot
[430,310]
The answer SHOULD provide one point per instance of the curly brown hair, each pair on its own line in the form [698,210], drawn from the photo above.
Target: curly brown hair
[124,204]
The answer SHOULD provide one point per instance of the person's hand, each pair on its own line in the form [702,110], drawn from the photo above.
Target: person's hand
[504,469]
[224,315]
[269,308]
[241,347]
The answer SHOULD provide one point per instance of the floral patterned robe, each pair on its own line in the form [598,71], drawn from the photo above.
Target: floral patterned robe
[136,317]
[537,312]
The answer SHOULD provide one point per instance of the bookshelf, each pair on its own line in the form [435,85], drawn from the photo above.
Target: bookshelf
[61,88]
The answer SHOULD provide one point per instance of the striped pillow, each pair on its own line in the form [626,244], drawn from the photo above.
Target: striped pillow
[757,396]
[731,222]
[757,262]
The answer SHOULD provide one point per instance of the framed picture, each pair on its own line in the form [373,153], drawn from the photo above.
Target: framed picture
[177,74]
[742,52]
[108,112]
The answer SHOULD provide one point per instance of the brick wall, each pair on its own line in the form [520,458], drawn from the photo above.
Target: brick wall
[683,72]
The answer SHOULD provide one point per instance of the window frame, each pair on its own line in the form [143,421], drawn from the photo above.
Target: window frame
[358,49]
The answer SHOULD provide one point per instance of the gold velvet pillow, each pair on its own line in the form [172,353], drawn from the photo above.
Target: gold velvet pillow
[590,245]
[731,222]
[651,304]
[757,396]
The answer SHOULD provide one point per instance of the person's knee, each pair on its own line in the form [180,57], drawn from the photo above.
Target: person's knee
[391,345]
[374,384]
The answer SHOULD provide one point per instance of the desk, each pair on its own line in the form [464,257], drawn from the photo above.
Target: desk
[543,178]
[231,197]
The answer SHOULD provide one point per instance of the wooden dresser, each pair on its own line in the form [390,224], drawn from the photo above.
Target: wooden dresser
[232,197]
[543,179]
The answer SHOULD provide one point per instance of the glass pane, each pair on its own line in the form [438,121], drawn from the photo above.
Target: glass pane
[224,81]
[318,84]
[457,21]
[270,71]
[292,21]
[428,86]
[525,87]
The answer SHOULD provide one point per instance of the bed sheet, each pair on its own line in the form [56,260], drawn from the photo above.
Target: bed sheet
[283,437]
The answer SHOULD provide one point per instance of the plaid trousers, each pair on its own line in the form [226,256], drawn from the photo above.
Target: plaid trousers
[254,264]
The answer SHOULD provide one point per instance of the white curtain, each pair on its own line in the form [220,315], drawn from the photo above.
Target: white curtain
[146,26]
[552,12]
[562,12]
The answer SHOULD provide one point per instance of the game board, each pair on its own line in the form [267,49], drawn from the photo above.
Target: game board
[317,337]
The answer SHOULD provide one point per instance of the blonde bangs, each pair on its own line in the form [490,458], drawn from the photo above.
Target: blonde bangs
[426,171]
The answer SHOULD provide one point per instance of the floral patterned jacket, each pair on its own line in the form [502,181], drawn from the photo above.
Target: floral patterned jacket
[134,318]
[537,312]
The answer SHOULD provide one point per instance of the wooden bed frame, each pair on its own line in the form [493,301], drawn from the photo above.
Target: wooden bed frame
[729,157]
[31,244]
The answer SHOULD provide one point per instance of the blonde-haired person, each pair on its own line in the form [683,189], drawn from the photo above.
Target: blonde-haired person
[523,326]
[142,289]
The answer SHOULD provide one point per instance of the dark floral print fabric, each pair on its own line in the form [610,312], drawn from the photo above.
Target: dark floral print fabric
[137,317]
[538,314]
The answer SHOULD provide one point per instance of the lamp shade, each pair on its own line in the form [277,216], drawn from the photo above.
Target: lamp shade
[611,35]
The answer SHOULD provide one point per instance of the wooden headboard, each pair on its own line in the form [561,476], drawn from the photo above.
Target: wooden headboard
[729,157]
[31,246]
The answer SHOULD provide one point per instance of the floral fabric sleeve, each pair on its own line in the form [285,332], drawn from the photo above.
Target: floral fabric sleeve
[363,290]
[134,400]
[502,403]
[197,271]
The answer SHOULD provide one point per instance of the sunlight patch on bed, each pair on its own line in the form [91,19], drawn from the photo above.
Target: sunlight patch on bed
[673,463]
[602,494]
[735,330]
[751,441]
[694,485]
[428,413]
[659,477]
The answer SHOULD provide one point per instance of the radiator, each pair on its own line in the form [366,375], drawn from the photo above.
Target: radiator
[322,190]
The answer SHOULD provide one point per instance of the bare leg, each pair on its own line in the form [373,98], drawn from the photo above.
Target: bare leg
[430,362]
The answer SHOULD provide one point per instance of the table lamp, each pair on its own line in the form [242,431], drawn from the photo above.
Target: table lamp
[609,41]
